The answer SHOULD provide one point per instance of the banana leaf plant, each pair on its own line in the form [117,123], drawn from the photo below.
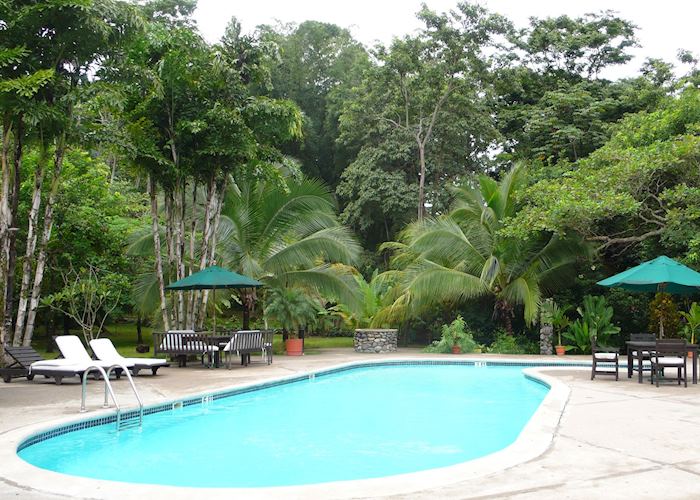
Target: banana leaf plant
[692,318]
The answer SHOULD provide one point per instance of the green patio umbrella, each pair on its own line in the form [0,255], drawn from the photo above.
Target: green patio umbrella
[661,274]
[213,278]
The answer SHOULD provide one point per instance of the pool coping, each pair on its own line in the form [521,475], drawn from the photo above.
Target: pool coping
[535,438]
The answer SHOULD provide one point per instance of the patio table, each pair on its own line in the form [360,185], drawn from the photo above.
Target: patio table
[638,347]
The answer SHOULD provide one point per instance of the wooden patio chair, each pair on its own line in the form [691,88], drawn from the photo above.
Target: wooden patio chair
[606,355]
[670,353]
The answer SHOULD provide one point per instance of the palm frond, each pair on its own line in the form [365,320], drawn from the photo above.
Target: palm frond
[334,244]
[333,283]
[524,290]
[435,283]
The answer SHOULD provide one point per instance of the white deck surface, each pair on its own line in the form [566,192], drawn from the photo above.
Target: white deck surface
[614,439]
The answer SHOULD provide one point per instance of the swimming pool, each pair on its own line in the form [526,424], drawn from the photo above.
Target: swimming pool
[358,423]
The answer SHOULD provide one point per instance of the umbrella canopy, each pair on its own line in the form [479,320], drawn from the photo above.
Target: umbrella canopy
[212,278]
[662,274]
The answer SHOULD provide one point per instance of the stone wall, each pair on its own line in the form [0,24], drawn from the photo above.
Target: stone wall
[546,339]
[371,340]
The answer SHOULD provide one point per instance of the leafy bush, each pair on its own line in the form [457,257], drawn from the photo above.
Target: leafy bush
[692,318]
[505,344]
[664,309]
[454,334]
[595,321]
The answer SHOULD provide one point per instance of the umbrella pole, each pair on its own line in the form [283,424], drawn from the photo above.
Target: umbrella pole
[213,294]
[660,289]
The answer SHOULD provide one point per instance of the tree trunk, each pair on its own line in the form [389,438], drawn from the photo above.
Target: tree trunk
[45,237]
[180,250]
[5,221]
[210,249]
[113,170]
[170,245]
[158,258]
[216,220]
[139,333]
[30,249]
[204,250]
[12,236]
[191,320]
[421,182]
[246,315]
[504,311]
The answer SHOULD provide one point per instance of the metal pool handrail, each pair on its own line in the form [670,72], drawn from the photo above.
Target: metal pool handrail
[110,392]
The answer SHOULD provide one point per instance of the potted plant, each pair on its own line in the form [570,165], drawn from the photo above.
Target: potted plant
[455,336]
[292,309]
[556,316]
[692,318]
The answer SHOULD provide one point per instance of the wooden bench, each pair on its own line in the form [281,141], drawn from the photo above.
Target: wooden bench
[180,344]
[246,342]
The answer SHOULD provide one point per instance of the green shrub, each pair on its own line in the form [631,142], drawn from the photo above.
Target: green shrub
[454,334]
[506,344]
[596,321]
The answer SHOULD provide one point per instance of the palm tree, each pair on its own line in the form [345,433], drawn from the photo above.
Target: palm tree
[292,309]
[287,236]
[467,254]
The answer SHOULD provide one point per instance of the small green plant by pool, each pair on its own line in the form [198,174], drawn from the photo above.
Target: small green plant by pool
[454,334]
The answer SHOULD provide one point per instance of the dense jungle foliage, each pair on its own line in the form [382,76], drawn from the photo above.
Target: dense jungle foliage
[473,169]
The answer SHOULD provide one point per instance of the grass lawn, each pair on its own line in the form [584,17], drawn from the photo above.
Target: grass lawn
[123,336]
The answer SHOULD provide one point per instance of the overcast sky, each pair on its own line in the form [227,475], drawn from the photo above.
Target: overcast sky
[664,26]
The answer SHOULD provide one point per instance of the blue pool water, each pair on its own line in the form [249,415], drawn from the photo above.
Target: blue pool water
[356,424]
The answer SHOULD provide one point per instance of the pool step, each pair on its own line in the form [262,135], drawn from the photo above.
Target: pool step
[129,422]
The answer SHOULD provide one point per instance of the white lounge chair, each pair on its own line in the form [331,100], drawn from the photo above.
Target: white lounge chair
[105,351]
[74,351]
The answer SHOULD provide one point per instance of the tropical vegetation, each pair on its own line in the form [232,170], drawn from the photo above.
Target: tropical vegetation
[472,169]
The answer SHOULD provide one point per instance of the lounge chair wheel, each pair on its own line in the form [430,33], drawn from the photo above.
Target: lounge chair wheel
[58,380]
[30,377]
[7,379]
[154,369]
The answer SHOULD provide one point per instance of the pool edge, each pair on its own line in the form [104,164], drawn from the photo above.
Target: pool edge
[535,438]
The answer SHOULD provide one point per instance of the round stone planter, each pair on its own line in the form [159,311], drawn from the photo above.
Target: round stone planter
[376,340]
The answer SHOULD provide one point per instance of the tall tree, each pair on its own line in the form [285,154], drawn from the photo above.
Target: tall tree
[195,121]
[317,65]
[464,254]
[287,237]
[640,187]
[17,89]
[65,42]
[422,108]
[552,102]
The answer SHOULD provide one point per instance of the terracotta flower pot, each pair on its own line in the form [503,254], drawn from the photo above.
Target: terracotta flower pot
[456,349]
[560,350]
[294,347]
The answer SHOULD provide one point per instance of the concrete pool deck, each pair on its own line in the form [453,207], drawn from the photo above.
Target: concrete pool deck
[614,439]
